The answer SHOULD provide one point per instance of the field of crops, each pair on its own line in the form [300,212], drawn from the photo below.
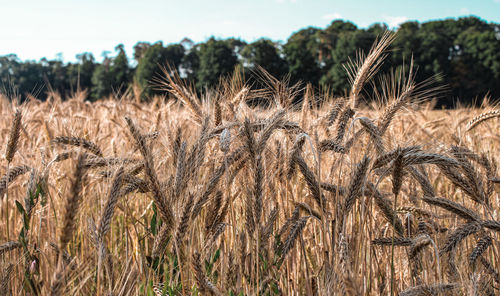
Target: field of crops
[210,196]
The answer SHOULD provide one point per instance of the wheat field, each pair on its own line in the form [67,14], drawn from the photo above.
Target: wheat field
[311,195]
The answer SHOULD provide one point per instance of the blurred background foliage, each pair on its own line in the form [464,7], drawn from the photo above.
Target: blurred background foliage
[462,54]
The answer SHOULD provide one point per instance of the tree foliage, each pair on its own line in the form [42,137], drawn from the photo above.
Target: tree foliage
[463,54]
[217,58]
[152,61]
[264,53]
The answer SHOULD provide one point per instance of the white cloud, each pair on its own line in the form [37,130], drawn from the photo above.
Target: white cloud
[285,1]
[228,23]
[332,16]
[395,21]
[466,11]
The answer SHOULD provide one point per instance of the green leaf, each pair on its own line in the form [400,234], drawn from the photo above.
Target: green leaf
[215,276]
[216,256]
[26,222]
[275,288]
[263,262]
[20,207]
[208,266]
[154,221]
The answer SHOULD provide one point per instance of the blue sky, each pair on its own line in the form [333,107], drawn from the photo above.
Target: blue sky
[33,29]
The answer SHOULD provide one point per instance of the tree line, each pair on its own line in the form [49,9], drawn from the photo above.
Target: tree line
[462,54]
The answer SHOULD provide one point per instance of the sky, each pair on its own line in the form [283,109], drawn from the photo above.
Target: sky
[34,29]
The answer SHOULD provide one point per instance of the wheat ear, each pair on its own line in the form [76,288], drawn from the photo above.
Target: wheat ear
[72,204]
[433,289]
[78,142]
[481,118]
[158,194]
[13,136]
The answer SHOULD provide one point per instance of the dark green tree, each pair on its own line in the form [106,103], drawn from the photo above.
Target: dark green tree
[465,52]
[102,80]
[348,44]
[191,64]
[378,29]
[407,43]
[80,73]
[476,67]
[17,78]
[217,59]
[154,59]
[120,70]
[302,55]
[328,40]
[264,53]
[236,45]
[436,49]
[112,76]
[140,49]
